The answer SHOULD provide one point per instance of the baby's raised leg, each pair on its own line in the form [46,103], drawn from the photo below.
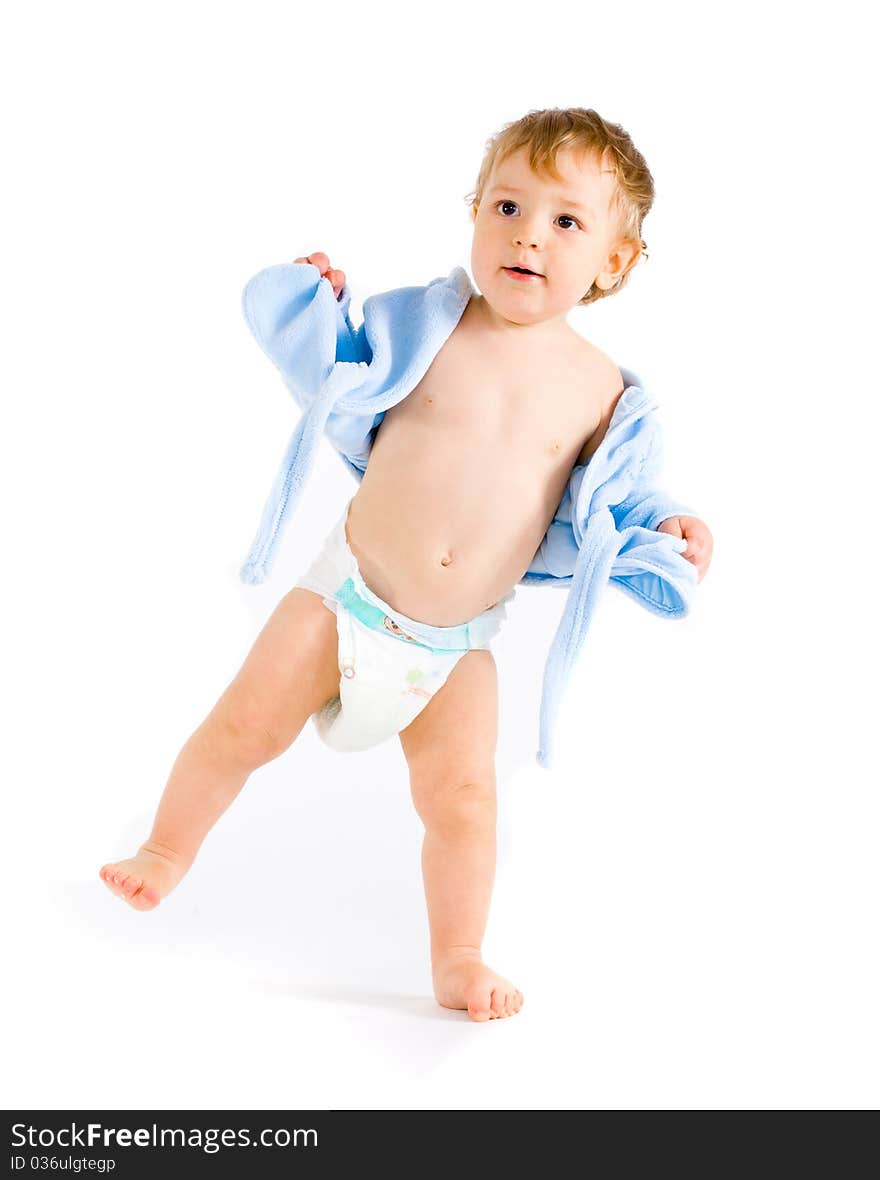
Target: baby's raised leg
[450,751]
[289,673]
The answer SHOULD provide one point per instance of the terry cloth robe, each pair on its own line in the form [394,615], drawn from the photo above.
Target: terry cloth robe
[345,379]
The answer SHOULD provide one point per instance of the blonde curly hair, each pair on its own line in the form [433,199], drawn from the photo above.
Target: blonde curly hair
[547,132]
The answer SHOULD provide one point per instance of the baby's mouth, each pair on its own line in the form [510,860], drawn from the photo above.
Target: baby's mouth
[522,272]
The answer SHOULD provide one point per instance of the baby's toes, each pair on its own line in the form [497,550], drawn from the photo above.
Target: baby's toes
[143,897]
[115,880]
[127,887]
[138,893]
[478,1002]
[499,1002]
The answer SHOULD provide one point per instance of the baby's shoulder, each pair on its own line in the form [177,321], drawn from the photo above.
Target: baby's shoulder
[603,375]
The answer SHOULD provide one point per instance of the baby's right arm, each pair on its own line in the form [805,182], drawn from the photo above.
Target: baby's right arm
[293,320]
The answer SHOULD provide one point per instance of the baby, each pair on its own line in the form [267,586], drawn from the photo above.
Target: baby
[390,629]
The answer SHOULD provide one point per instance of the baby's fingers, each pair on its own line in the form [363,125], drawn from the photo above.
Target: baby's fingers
[318,259]
[337,280]
[671,526]
[699,556]
[335,277]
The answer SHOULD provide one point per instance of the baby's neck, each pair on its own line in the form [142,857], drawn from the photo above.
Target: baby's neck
[479,313]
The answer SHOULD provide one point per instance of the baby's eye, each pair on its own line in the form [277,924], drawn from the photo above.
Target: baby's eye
[505,203]
[566,217]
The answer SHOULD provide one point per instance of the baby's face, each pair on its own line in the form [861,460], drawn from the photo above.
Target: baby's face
[564,231]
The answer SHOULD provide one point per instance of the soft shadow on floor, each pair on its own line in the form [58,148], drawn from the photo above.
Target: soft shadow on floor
[398,1003]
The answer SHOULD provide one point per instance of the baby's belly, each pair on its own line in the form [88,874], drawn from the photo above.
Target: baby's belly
[441,550]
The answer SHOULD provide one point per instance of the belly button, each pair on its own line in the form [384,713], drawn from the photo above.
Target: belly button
[429,401]
[445,560]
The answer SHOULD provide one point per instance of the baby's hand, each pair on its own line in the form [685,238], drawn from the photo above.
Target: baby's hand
[698,537]
[322,262]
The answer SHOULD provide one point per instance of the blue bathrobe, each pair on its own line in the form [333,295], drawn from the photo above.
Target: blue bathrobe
[345,379]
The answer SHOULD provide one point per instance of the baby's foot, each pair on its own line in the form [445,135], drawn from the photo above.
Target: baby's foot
[145,878]
[466,982]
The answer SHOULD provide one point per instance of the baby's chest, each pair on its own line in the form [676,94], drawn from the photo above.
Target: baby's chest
[520,407]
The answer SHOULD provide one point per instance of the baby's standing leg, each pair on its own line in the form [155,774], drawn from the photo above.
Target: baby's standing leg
[291,670]
[450,751]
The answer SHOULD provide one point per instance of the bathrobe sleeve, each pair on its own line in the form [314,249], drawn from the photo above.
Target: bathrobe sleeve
[306,332]
[619,479]
[602,532]
[648,506]
[301,326]
[648,565]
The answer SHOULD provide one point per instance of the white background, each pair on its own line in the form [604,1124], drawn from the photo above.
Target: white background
[690,905]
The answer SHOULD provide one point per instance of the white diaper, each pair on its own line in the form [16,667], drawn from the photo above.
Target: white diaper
[385,683]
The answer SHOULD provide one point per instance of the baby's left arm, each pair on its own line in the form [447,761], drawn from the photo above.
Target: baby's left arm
[698,537]
[644,504]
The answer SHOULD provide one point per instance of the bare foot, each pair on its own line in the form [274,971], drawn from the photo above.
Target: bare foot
[145,878]
[466,982]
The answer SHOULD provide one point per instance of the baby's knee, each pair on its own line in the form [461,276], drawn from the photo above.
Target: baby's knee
[242,738]
[456,804]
